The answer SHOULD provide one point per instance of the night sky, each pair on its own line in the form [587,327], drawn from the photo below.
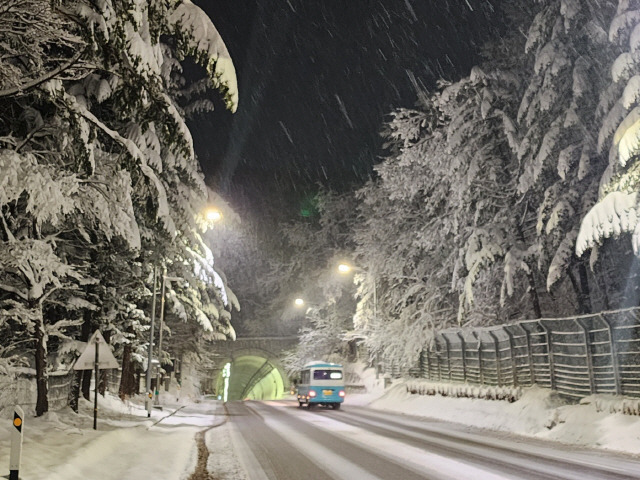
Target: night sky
[316,79]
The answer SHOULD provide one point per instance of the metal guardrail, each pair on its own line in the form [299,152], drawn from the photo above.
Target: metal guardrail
[577,356]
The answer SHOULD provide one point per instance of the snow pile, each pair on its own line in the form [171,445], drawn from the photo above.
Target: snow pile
[613,404]
[422,387]
[597,421]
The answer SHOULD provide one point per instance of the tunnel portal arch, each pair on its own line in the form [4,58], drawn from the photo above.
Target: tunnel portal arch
[256,367]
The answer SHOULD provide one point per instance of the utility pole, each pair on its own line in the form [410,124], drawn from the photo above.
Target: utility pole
[160,327]
[150,354]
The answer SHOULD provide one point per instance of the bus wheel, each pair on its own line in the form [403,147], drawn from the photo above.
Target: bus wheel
[336,406]
[309,406]
[300,404]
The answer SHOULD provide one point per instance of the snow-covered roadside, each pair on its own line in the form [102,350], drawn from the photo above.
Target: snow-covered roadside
[223,460]
[127,444]
[538,413]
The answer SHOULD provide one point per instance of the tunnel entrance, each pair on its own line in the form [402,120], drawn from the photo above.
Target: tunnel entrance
[251,377]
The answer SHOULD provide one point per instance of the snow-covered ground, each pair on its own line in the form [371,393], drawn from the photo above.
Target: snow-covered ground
[127,444]
[595,422]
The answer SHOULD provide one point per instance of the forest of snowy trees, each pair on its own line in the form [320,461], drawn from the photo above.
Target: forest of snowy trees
[509,194]
[99,184]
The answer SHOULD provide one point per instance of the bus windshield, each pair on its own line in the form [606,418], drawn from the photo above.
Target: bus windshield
[327,375]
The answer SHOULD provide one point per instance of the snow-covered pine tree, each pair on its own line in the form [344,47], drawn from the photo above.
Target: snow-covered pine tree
[404,238]
[480,140]
[557,119]
[616,212]
[99,121]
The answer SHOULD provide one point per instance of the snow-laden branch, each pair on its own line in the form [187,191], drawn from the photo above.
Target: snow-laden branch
[134,151]
[202,39]
[615,214]
[40,80]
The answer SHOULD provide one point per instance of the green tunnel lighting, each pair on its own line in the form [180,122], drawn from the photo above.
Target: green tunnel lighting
[254,377]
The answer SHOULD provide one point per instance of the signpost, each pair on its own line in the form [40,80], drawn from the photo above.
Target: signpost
[16,443]
[96,358]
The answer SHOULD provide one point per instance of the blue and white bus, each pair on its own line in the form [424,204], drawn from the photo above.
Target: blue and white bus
[321,384]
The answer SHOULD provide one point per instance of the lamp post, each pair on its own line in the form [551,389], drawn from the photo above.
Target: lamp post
[162,301]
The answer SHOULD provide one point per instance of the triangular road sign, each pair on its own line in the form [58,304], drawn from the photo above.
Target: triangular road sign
[87,360]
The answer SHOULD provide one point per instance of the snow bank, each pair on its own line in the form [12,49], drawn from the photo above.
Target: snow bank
[597,421]
[421,387]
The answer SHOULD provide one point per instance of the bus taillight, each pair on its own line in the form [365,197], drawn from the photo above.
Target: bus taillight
[341,393]
[312,393]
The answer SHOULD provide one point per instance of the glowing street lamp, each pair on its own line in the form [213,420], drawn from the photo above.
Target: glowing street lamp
[298,302]
[344,268]
[213,215]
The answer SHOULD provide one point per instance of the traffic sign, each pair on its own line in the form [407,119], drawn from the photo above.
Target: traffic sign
[87,360]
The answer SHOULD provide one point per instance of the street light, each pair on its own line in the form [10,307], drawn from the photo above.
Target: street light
[344,268]
[150,360]
[213,215]
[298,302]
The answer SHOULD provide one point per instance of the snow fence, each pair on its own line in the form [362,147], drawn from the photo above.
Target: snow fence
[577,356]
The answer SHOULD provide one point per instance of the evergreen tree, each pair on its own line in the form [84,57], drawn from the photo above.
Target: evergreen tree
[96,151]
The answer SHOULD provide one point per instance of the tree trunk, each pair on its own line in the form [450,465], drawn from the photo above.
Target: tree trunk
[86,384]
[103,380]
[585,290]
[86,374]
[128,378]
[533,294]
[79,377]
[74,393]
[42,401]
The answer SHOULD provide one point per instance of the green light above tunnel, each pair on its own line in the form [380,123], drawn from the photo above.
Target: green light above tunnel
[252,377]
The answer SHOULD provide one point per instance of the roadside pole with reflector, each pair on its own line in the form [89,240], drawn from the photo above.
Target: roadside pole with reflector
[16,443]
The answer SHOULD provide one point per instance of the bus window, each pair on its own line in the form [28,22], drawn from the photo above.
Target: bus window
[327,375]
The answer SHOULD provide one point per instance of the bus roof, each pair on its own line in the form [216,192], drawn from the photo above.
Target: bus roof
[319,364]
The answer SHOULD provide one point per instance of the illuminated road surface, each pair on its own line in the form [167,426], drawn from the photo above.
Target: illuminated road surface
[279,441]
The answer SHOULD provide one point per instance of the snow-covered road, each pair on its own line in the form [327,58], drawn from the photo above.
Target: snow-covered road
[277,440]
